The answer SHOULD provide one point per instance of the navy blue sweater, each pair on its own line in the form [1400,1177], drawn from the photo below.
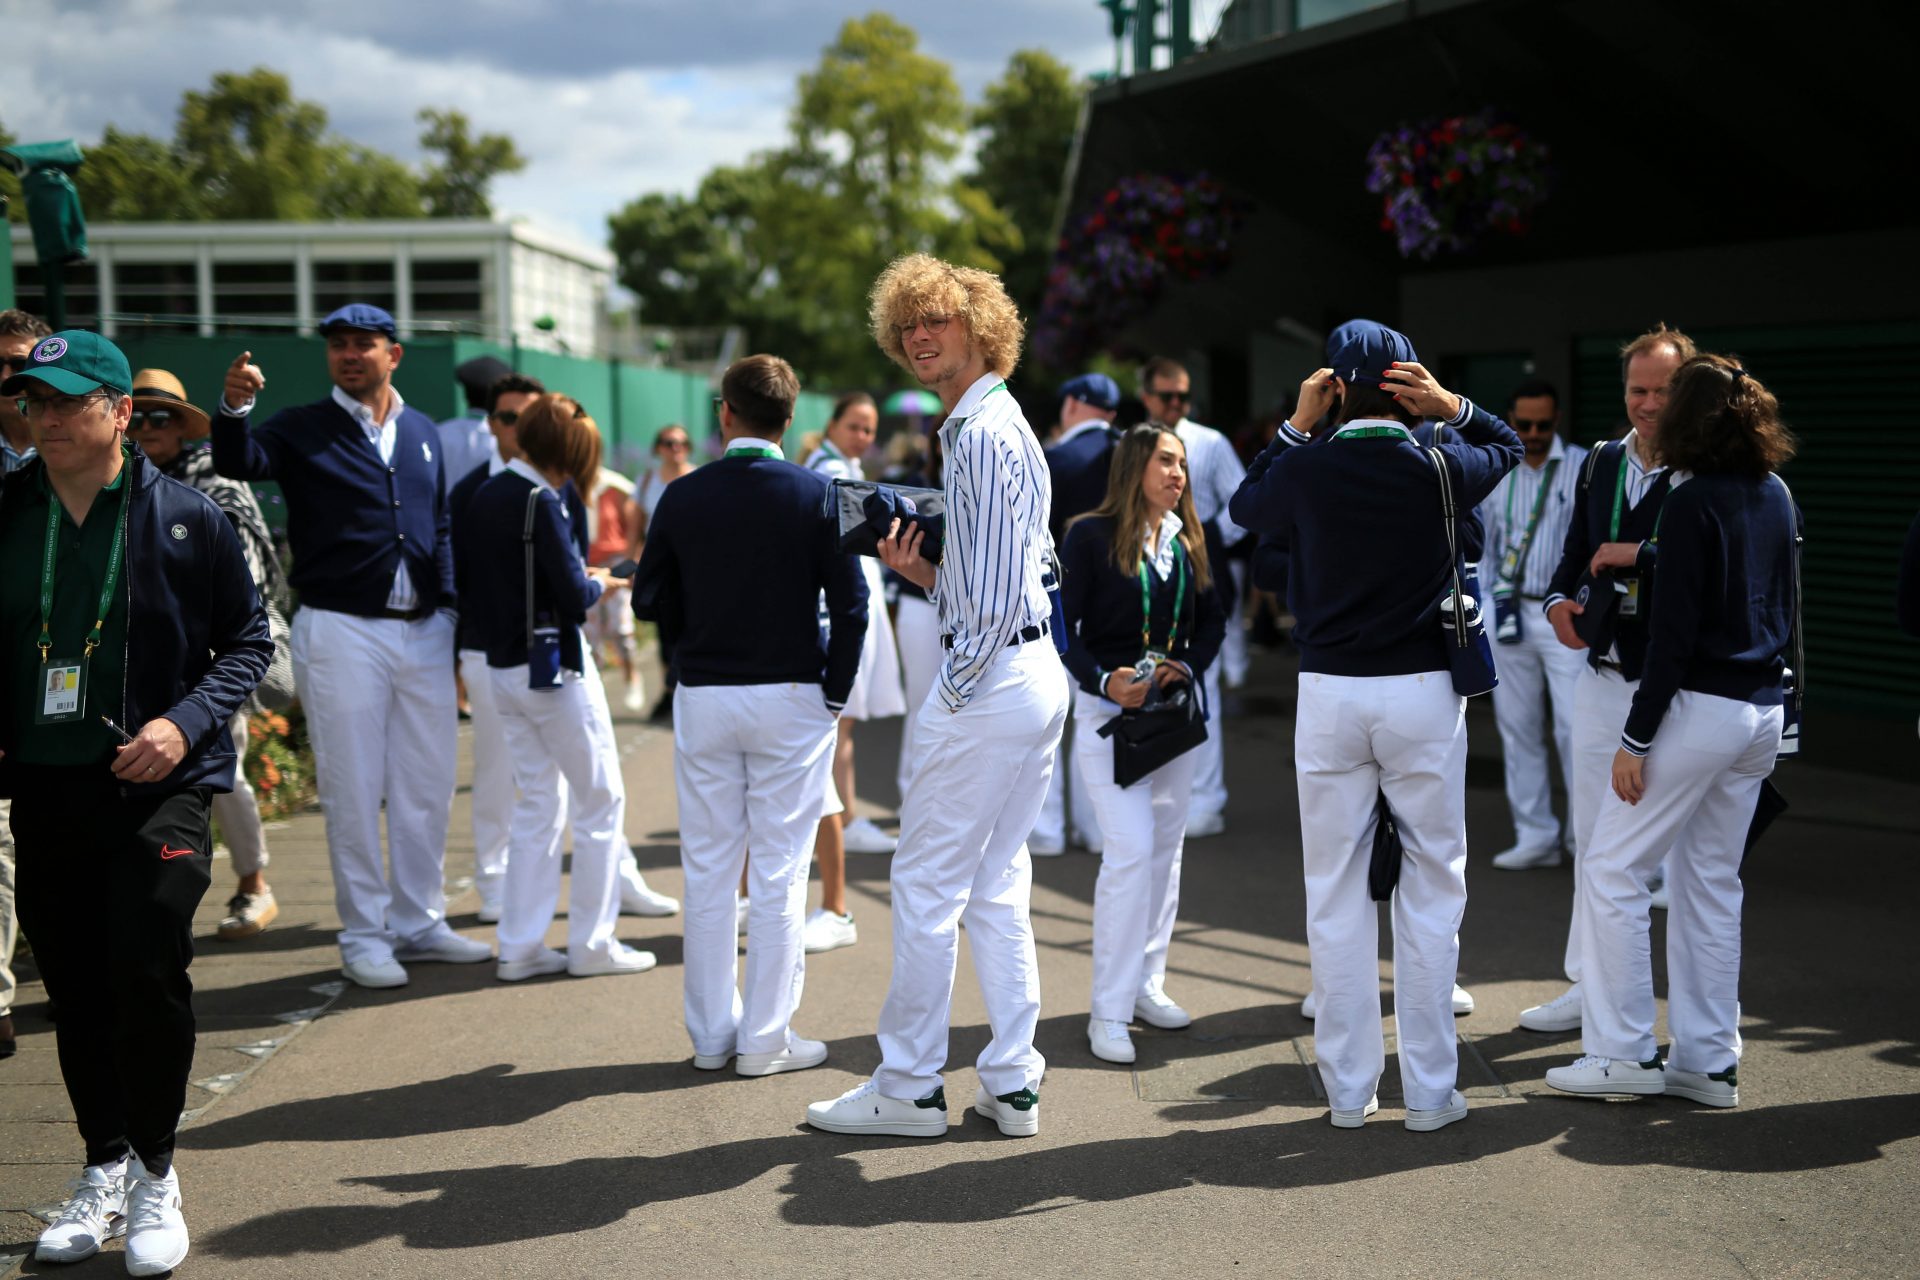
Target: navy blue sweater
[1362,521]
[737,554]
[492,551]
[1078,469]
[197,639]
[1723,599]
[1102,609]
[351,518]
[467,637]
[1591,525]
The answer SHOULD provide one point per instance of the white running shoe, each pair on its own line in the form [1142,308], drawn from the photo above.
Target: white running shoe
[1353,1117]
[375,974]
[1017,1113]
[1713,1089]
[1523,859]
[864,1109]
[799,1054]
[156,1229]
[1309,1007]
[94,1213]
[541,963]
[636,899]
[636,699]
[1562,1013]
[1153,1007]
[862,836]
[1606,1076]
[825,931]
[1200,826]
[1110,1040]
[618,958]
[1426,1121]
[441,945]
[1462,1001]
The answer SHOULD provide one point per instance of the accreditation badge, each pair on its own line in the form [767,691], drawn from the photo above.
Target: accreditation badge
[1629,597]
[63,691]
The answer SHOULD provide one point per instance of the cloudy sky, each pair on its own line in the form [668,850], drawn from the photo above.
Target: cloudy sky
[606,98]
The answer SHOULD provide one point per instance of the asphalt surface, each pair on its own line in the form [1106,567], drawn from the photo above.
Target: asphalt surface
[462,1126]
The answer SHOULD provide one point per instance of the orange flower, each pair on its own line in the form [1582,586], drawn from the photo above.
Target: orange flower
[278,723]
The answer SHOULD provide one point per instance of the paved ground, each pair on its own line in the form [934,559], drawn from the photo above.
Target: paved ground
[461,1126]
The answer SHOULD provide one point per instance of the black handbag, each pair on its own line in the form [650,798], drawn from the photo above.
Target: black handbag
[1383,869]
[1469,652]
[1168,725]
[863,511]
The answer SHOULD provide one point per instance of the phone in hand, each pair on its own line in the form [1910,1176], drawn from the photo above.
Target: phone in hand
[623,568]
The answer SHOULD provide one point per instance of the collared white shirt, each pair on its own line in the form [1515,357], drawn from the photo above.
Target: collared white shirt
[1214,473]
[989,586]
[1640,477]
[465,443]
[521,467]
[382,435]
[12,459]
[1509,507]
[1080,429]
[833,464]
[1156,544]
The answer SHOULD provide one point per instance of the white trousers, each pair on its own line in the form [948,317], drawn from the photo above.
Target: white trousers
[1353,738]
[237,812]
[1703,779]
[379,699]
[561,748]
[491,797]
[1209,765]
[1138,893]
[9,923]
[1070,777]
[752,766]
[1233,649]
[877,685]
[916,628]
[1536,672]
[963,858]
[1602,697]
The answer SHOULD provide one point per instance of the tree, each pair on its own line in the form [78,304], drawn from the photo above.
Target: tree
[1027,124]
[130,177]
[10,185]
[456,186]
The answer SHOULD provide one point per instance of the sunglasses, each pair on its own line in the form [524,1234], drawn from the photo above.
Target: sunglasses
[11,365]
[1171,397]
[507,417]
[1524,425]
[156,418]
[671,442]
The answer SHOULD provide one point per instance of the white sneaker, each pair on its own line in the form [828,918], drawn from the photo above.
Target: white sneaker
[1353,1117]
[864,1109]
[619,958]
[712,1061]
[741,908]
[1309,1007]
[1523,859]
[636,699]
[1153,1007]
[825,931]
[1462,1001]
[1437,1117]
[375,973]
[488,913]
[1713,1089]
[636,899]
[1093,844]
[94,1213]
[442,945]
[156,1230]
[799,1054]
[1200,826]
[1046,846]
[1596,1075]
[541,963]
[861,836]
[1110,1040]
[1659,897]
[1017,1113]
[1562,1013]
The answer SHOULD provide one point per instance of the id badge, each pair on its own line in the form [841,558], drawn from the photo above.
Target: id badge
[1506,617]
[1510,565]
[63,691]
[1629,597]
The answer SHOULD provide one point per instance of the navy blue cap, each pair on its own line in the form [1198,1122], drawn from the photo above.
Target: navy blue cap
[361,315]
[1097,389]
[1361,350]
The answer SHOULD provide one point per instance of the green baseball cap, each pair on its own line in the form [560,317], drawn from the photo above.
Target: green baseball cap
[74,362]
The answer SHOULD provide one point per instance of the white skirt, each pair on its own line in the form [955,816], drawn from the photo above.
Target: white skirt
[877,690]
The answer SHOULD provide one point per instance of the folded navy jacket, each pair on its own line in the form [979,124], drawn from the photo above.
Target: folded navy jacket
[865,510]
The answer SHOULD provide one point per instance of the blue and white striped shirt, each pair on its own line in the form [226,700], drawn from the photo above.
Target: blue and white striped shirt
[995,558]
[1509,507]
[1214,473]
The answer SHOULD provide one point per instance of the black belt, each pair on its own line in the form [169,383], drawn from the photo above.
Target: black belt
[419,613]
[1027,635]
[1608,663]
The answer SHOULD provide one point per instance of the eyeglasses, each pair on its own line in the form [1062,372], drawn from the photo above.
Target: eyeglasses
[671,442]
[1171,397]
[156,418]
[62,407]
[1525,425]
[10,365]
[720,402]
[934,324]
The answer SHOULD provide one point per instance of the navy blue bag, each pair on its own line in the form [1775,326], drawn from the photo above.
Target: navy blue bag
[1469,652]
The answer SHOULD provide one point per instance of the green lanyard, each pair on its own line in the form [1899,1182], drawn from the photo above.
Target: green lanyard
[1146,600]
[106,591]
[1518,556]
[760,448]
[1374,433]
[1620,497]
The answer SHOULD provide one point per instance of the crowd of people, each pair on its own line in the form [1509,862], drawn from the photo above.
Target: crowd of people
[1058,630]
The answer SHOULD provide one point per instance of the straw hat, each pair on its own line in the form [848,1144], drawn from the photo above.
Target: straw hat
[158,389]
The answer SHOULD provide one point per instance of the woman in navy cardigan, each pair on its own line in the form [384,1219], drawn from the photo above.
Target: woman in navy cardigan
[1136,586]
[557,722]
[1702,736]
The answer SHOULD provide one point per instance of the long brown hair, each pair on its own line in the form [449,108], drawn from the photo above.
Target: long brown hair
[557,435]
[1719,417]
[1126,504]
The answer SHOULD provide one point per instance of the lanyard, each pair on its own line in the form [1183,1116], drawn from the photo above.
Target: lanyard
[1382,431]
[1533,521]
[46,574]
[757,447]
[1620,495]
[1146,600]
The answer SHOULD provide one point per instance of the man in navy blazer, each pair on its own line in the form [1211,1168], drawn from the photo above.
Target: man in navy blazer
[373,566]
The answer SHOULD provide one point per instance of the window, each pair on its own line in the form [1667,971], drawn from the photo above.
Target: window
[335,284]
[82,293]
[1311,13]
[244,290]
[450,293]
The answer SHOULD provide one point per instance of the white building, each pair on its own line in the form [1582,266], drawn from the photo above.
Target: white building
[500,280]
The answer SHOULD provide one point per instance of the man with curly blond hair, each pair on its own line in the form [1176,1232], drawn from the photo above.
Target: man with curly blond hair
[986,736]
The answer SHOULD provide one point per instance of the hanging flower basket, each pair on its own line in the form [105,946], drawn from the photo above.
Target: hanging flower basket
[1111,265]
[1450,183]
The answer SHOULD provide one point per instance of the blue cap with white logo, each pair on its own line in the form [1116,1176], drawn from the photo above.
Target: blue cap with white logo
[361,315]
[1096,389]
[1362,351]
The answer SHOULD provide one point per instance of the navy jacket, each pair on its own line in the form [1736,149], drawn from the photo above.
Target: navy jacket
[493,550]
[1078,469]
[1102,609]
[197,639]
[1362,521]
[351,518]
[1589,527]
[1723,599]
[737,554]
[459,500]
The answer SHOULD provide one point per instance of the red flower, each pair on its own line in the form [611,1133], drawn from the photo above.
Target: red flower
[1406,179]
[1454,175]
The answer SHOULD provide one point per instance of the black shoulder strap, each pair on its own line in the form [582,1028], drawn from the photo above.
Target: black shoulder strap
[526,538]
[1795,541]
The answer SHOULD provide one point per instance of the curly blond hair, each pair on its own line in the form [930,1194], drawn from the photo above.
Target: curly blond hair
[919,285]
